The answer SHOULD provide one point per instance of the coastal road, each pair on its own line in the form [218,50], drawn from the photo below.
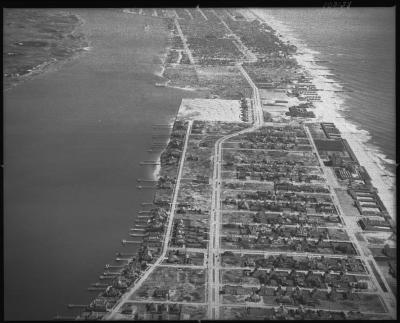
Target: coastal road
[214,263]
[167,236]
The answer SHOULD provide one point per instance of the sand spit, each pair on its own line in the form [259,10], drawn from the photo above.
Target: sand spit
[329,110]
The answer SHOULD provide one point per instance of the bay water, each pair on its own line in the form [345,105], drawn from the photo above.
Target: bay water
[74,138]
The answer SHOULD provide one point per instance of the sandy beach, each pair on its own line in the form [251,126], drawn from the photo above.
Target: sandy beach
[329,110]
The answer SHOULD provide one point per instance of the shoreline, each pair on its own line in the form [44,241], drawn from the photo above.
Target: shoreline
[330,110]
[156,172]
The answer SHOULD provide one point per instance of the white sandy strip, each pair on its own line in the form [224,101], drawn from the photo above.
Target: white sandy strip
[210,110]
[163,57]
[329,110]
[157,169]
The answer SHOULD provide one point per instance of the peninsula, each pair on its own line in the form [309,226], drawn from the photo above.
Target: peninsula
[264,208]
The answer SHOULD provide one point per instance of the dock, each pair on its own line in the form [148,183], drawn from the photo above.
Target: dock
[138,230]
[113,266]
[141,187]
[161,125]
[64,318]
[111,273]
[318,61]
[96,289]
[147,180]
[130,242]
[122,259]
[122,254]
[147,203]
[141,226]
[160,135]
[99,285]
[77,306]
[137,235]
[149,162]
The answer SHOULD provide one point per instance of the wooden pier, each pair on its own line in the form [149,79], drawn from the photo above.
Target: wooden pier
[99,285]
[149,162]
[160,135]
[147,180]
[124,259]
[124,254]
[162,126]
[96,289]
[124,242]
[111,273]
[140,230]
[137,235]
[64,318]
[77,306]
[141,226]
[113,266]
[141,187]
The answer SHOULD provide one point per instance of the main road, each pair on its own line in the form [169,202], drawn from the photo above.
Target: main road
[214,264]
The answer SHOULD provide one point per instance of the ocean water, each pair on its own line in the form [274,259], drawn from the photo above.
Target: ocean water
[359,47]
[74,137]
